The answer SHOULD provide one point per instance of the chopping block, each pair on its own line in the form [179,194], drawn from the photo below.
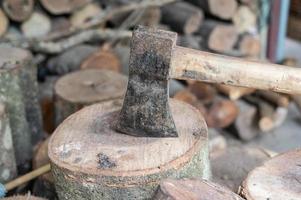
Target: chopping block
[118,150]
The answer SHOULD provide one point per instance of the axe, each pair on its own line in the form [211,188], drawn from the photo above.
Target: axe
[155,58]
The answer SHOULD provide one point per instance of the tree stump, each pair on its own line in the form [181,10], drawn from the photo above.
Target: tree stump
[91,160]
[193,189]
[44,184]
[277,178]
[19,94]
[8,168]
[78,89]
[18,10]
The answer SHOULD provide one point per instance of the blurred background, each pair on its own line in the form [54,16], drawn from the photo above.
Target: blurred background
[73,41]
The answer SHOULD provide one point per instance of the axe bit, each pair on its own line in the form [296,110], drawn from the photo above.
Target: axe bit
[155,58]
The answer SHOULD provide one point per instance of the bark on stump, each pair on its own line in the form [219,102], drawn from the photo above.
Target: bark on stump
[193,189]
[78,89]
[19,94]
[91,160]
[8,168]
[277,178]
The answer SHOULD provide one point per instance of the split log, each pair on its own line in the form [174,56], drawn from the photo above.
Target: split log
[245,20]
[232,166]
[249,45]
[203,91]
[24,197]
[233,92]
[18,10]
[58,7]
[217,143]
[37,25]
[224,9]
[217,36]
[70,60]
[78,89]
[4,23]
[83,15]
[46,99]
[245,125]
[97,155]
[275,98]
[182,17]
[193,189]
[102,59]
[14,64]
[221,113]
[8,165]
[44,184]
[281,173]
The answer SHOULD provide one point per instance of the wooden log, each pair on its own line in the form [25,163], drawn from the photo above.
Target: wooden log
[8,164]
[232,166]
[90,159]
[217,143]
[234,93]
[281,173]
[83,15]
[102,59]
[249,46]
[59,23]
[46,99]
[182,17]
[44,184]
[224,9]
[4,23]
[221,113]
[58,7]
[16,88]
[69,60]
[245,20]
[203,91]
[189,41]
[36,26]
[24,197]
[245,124]
[275,98]
[151,17]
[193,189]
[18,10]
[217,36]
[78,89]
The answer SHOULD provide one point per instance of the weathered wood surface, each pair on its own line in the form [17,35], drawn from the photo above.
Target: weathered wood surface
[182,17]
[90,159]
[277,178]
[232,166]
[8,169]
[193,189]
[85,87]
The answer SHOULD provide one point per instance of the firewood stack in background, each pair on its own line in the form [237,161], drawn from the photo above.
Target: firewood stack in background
[71,36]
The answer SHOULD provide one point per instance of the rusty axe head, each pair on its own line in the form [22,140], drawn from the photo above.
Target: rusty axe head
[145,110]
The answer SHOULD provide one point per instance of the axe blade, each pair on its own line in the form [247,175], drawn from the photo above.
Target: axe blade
[145,110]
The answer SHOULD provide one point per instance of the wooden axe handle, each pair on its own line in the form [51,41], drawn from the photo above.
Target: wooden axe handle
[197,65]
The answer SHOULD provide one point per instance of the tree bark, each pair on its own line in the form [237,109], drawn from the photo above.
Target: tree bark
[182,17]
[78,89]
[18,10]
[8,169]
[100,162]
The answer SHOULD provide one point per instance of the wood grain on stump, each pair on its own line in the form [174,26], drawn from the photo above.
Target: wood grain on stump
[277,179]
[44,184]
[91,160]
[58,7]
[193,189]
[182,17]
[102,59]
[78,89]
[8,165]
[18,10]
[19,94]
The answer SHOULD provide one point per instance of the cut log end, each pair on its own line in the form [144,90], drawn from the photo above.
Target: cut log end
[18,10]
[58,7]
[224,9]
[3,23]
